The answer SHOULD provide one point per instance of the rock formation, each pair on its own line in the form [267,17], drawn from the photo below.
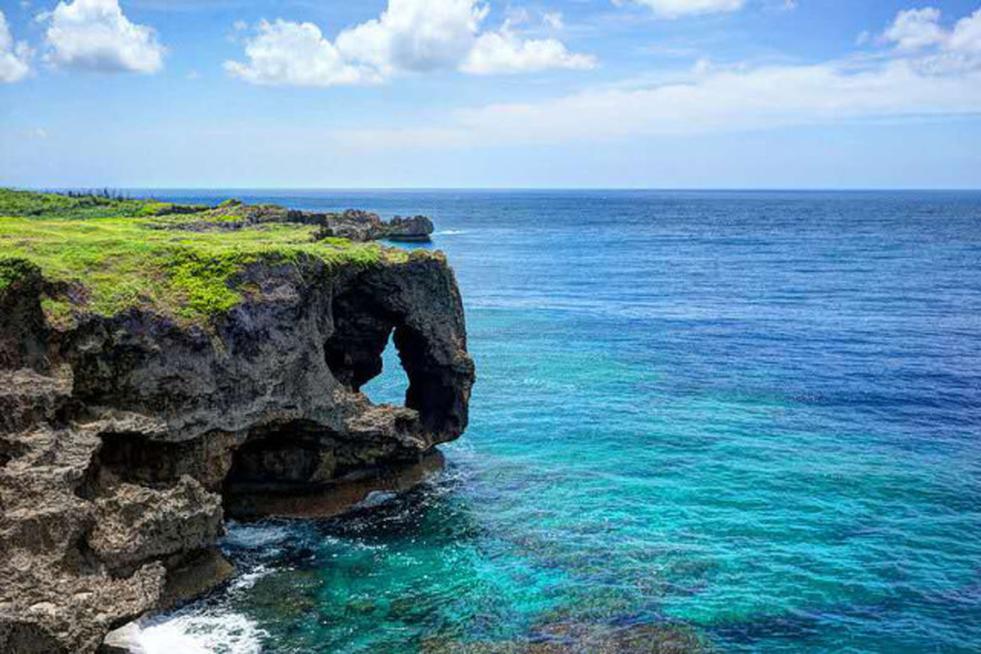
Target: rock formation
[352,224]
[125,440]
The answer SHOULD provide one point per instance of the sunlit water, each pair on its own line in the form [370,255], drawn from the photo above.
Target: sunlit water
[754,413]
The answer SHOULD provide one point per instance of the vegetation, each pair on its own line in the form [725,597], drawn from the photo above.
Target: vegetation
[76,206]
[11,270]
[116,253]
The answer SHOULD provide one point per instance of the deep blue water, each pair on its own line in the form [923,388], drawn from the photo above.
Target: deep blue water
[754,413]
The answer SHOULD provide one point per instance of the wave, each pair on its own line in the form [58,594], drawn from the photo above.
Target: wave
[194,633]
[254,537]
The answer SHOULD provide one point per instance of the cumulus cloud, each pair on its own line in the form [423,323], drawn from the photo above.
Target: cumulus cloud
[966,37]
[915,28]
[918,29]
[95,35]
[297,54]
[409,36]
[15,57]
[416,35]
[679,8]
[504,52]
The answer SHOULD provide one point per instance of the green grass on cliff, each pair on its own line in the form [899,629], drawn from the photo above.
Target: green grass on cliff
[77,206]
[113,254]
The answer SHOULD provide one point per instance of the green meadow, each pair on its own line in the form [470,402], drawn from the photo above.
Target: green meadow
[106,254]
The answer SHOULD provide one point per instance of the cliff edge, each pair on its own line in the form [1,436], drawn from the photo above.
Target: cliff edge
[154,381]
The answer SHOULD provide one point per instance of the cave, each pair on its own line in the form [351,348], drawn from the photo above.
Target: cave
[292,454]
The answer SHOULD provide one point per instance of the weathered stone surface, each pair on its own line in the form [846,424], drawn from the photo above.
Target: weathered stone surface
[124,439]
[135,523]
[414,228]
[364,226]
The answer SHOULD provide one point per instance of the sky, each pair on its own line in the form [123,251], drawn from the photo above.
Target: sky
[490,94]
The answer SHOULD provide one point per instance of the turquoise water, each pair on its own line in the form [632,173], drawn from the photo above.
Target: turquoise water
[756,414]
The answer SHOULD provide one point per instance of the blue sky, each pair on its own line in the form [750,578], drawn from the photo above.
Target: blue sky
[482,93]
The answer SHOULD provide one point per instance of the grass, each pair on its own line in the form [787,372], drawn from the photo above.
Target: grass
[76,206]
[112,255]
[11,270]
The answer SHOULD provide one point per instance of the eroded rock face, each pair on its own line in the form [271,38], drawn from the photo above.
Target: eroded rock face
[125,440]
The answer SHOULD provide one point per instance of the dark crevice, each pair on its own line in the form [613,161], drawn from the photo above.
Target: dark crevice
[361,332]
[132,458]
[10,450]
[7,452]
[294,453]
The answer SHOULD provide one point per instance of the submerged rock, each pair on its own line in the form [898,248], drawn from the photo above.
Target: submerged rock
[126,440]
[585,638]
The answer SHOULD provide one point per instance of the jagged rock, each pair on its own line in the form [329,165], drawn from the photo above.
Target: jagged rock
[124,439]
[416,228]
[352,224]
[134,523]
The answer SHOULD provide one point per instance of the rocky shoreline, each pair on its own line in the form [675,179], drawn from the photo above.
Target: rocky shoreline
[126,440]
[352,224]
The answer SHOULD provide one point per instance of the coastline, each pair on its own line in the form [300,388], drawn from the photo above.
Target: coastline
[133,425]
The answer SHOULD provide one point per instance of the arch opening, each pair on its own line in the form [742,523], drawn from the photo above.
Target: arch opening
[391,384]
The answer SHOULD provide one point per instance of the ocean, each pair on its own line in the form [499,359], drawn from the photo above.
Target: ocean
[751,416]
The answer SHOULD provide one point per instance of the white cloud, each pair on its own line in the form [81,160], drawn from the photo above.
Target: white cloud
[95,35]
[410,36]
[679,8]
[723,101]
[728,100]
[914,29]
[297,54]
[15,57]
[416,35]
[944,80]
[917,29]
[504,52]
[966,37]
[554,19]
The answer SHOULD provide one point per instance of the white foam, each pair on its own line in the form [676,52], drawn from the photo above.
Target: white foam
[451,232]
[376,498]
[195,633]
[254,536]
[248,579]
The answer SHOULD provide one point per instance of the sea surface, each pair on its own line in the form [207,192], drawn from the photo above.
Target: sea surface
[753,414]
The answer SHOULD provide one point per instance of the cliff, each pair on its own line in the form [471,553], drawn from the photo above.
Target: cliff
[154,381]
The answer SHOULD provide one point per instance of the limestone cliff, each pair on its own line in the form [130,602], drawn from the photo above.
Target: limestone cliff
[126,439]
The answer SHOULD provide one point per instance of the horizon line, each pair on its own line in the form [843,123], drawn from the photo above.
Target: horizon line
[655,189]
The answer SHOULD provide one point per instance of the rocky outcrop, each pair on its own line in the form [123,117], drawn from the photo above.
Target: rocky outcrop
[364,226]
[352,224]
[126,440]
